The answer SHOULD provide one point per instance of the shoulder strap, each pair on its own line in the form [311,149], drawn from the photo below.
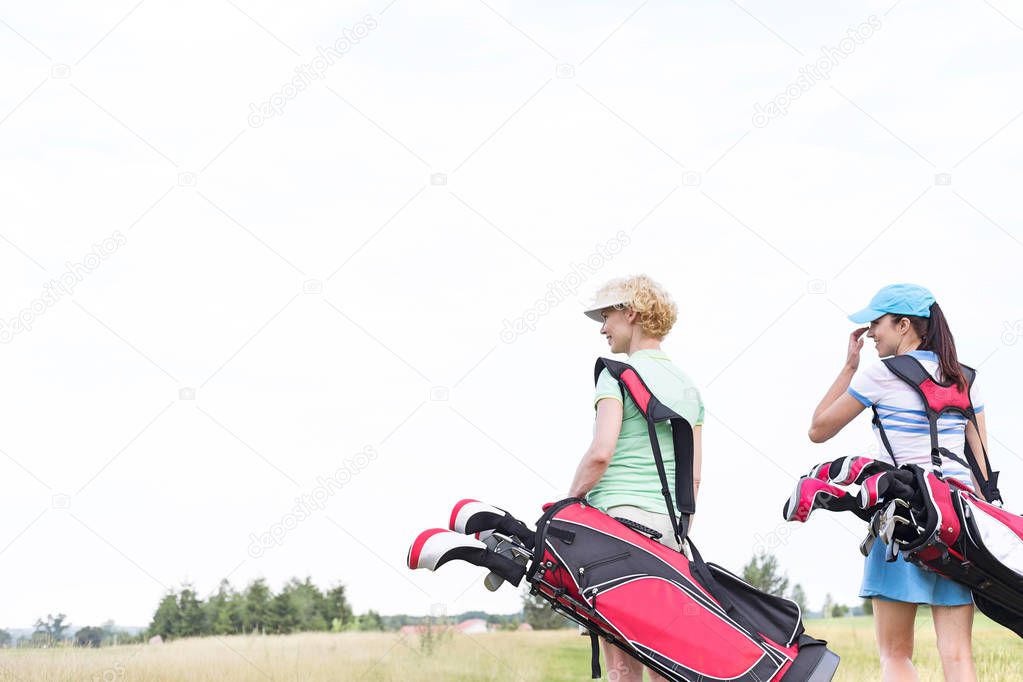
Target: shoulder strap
[907,368]
[938,399]
[969,374]
[915,376]
[681,435]
[876,421]
[988,478]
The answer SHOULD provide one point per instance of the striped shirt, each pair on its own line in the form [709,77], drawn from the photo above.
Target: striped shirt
[905,423]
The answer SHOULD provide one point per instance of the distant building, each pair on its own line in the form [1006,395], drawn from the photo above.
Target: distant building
[472,626]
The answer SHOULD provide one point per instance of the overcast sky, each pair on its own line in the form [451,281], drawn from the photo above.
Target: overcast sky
[221,290]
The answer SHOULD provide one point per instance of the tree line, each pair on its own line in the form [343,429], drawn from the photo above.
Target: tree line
[56,630]
[300,606]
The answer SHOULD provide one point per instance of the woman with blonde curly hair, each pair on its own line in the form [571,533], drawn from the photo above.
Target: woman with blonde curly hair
[618,474]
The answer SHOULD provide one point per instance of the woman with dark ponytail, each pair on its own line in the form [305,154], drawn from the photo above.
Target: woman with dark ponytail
[937,338]
[904,319]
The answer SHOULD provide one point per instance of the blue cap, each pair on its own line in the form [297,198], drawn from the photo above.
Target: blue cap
[900,299]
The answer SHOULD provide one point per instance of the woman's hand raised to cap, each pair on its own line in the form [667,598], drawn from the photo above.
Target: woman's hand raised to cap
[852,360]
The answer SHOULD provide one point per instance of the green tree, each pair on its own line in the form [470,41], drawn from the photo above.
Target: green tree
[167,617]
[868,607]
[281,616]
[257,605]
[763,573]
[369,621]
[540,615]
[336,607]
[224,610]
[192,618]
[89,636]
[839,611]
[308,605]
[5,639]
[52,629]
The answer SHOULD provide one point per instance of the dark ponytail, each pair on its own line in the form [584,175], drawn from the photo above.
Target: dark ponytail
[937,337]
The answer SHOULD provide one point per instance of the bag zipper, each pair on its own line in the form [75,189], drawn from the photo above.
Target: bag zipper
[601,562]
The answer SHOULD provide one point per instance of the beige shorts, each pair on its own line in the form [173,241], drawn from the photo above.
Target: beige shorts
[659,522]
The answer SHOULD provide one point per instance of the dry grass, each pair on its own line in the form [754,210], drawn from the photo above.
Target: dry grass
[524,656]
[997,652]
[308,656]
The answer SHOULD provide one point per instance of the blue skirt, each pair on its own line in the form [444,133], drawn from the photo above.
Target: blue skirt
[903,581]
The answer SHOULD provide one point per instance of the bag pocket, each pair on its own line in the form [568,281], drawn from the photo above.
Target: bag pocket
[659,617]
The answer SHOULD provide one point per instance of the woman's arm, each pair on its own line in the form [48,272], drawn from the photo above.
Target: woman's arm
[605,436]
[975,441]
[838,408]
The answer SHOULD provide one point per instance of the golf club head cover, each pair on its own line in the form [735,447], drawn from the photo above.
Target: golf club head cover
[435,547]
[820,472]
[473,517]
[813,493]
[870,493]
[848,470]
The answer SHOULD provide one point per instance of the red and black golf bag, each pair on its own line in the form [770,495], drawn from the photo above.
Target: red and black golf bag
[684,618]
[938,524]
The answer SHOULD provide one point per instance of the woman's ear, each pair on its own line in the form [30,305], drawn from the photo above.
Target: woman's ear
[631,315]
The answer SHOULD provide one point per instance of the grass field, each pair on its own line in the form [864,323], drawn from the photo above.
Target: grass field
[526,656]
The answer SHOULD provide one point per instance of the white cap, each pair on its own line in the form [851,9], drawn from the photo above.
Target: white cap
[611,299]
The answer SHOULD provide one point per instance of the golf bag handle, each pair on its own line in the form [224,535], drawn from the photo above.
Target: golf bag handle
[639,527]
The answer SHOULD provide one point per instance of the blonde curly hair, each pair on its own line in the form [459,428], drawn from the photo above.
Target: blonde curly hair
[657,311]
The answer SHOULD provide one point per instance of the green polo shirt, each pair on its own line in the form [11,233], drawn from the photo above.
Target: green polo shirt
[631,477]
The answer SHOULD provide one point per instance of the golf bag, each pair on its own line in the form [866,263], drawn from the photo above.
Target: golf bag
[938,524]
[684,618]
